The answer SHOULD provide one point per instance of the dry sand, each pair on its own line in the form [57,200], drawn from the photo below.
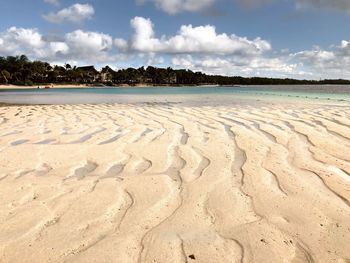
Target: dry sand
[123,183]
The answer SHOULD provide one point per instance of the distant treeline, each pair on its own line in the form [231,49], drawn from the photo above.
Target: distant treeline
[19,70]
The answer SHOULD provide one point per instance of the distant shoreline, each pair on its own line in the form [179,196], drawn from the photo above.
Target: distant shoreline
[55,86]
[142,85]
[82,86]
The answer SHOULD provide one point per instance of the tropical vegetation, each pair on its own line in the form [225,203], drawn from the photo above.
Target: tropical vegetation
[19,70]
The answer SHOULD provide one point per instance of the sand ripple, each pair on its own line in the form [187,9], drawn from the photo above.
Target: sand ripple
[165,183]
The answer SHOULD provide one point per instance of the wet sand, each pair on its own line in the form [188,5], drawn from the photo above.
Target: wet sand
[174,183]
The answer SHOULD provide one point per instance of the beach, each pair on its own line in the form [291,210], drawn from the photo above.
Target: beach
[246,182]
[42,86]
[84,86]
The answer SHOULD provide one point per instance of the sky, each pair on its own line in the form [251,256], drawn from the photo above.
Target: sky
[303,39]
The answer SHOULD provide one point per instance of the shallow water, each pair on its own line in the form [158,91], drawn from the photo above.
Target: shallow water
[185,95]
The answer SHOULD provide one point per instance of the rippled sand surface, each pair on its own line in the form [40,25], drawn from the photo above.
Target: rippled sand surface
[170,183]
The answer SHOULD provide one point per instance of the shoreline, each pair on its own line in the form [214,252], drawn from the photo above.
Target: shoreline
[147,85]
[84,86]
[55,86]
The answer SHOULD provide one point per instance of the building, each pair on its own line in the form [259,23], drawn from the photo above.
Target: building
[90,74]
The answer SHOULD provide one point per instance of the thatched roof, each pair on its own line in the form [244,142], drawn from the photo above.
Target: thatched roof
[89,69]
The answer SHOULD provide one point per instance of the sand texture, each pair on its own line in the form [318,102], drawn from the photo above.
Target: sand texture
[169,183]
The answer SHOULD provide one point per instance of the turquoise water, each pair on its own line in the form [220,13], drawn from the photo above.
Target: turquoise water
[176,94]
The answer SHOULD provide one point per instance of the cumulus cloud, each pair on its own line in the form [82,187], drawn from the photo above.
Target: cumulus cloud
[176,6]
[195,48]
[77,45]
[87,44]
[58,49]
[189,39]
[233,66]
[92,47]
[75,14]
[332,63]
[20,39]
[202,48]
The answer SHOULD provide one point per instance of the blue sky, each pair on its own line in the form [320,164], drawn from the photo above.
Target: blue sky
[282,38]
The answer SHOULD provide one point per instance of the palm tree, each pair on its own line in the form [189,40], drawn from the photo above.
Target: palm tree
[6,75]
[68,66]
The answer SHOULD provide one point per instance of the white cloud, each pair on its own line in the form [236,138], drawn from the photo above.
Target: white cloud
[77,45]
[203,49]
[189,39]
[232,66]
[332,63]
[120,43]
[87,47]
[89,44]
[59,48]
[176,6]
[74,14]
[153,60]
[53,2]
[20,39]
[316,56]
[195,48]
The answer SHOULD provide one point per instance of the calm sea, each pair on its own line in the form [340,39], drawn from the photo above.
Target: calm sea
[185,95]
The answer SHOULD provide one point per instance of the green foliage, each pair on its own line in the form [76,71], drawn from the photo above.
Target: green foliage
[21,71]
[6,76]
[68,67]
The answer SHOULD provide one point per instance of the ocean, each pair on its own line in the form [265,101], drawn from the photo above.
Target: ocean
[185,95]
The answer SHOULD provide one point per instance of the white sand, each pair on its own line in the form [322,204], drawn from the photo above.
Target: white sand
[108,183]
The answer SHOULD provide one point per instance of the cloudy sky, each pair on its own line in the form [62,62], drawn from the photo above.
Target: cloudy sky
[279,38]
